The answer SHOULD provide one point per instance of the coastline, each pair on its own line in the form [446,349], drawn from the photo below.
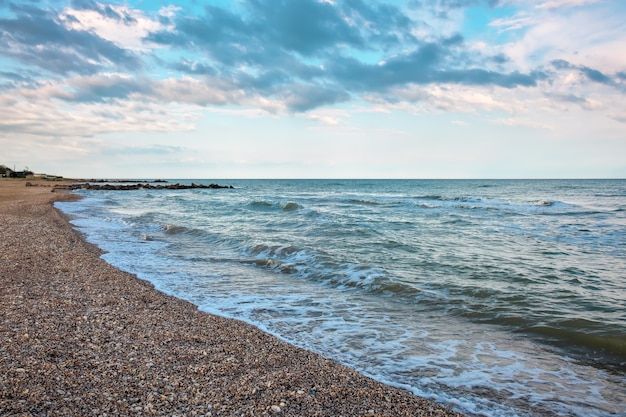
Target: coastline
[80,337]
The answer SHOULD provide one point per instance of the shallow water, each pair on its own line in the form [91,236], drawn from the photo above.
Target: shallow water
[495,297]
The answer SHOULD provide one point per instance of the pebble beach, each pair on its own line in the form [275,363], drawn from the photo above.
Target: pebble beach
[80,337]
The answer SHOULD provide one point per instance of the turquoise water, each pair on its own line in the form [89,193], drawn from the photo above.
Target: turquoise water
[496,297]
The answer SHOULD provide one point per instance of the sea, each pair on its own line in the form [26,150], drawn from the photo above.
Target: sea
[494,297]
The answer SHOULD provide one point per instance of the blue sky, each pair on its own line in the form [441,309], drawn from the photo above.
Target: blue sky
[314,88]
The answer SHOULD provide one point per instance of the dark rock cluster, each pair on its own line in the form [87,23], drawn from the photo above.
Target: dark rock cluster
[137,186]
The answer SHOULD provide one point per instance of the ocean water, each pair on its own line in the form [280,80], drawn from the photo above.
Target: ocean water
[495,297]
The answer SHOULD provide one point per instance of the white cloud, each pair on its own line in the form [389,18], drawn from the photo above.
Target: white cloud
[555,4]
[590,37]
[127,32]
[169,11]
[620,117]
[196,91]
[519,21]
[522,122]
[461,99]
[40,113]
[327,117]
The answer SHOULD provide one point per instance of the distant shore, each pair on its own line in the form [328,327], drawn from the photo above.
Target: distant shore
[80,337]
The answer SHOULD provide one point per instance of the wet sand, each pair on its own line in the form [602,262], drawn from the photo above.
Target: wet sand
[80,337]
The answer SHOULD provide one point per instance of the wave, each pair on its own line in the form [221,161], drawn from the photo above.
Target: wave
[173,229]
[458,222]
[433,197]
[318,266]
[589,338]
[469,202]
[461,203]
[269,206]
[365,202]
[572,213]
[274,250]
[576,337]
[111,202]
[436,197]
[374,202]
[546,203]
[261,205]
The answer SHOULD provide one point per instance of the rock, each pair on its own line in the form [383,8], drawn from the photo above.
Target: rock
[126,187]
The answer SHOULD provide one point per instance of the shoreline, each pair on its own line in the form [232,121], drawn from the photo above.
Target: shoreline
[80,337]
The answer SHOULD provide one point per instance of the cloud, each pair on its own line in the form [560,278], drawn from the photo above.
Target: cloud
[10,79]
[523,122]
[200,92]
[308,54]
[327,117]
[307,27]
[555,4]
[294,57]
[323,45]
[151,150]
[620,117]
[120,25]
[300,97]
[590,74]
[587,36]
[519,21]
[44,112]
[39,38]
[460,99]
[104,87]
[430,63]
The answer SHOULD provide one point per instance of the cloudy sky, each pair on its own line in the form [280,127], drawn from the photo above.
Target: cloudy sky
[314,88]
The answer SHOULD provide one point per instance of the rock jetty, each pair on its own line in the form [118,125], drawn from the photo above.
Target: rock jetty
[137,186]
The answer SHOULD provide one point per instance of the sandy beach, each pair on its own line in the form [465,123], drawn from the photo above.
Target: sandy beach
[80,337]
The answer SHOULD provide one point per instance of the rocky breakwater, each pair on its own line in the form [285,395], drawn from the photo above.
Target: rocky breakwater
[138,186]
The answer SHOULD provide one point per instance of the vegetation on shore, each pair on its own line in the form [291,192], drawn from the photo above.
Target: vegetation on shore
[5,171]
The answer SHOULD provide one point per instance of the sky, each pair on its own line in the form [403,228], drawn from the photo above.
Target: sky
[314,88]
